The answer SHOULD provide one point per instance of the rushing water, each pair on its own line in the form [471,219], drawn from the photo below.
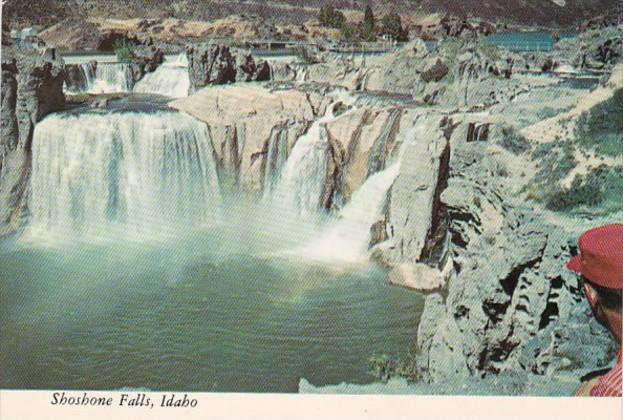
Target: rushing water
[111,78]
[169,79]
[121,170]
[135,272]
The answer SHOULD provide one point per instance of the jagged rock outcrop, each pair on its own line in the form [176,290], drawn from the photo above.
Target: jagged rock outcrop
[250,70]
[32,87]
[454,27]
[211,65]
[145,60]
[511,305]
[593,49]
[219,64]
[434,70]
[414,215]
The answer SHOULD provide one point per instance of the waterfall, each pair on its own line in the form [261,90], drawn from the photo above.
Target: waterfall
[130,173]
[276,158]
[346,239]
[169,79]
[85,79]
[112,78]
[302,181]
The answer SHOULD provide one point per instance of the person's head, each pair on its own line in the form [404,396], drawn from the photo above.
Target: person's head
[600,264]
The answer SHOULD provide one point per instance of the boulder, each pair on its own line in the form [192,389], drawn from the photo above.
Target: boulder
[210,65]
[250,70]
[434,70]
[418,276]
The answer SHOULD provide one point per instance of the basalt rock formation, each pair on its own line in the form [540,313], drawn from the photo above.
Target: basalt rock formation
[145,60]
[219,64]
[32,87]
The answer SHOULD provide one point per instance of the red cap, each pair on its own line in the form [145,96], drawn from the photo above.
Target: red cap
[601,256]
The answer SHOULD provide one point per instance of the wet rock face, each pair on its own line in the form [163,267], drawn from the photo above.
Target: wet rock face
[32,87]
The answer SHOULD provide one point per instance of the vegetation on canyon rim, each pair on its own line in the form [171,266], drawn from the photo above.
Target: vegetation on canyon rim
[601,127]
[367,30]
[599,131]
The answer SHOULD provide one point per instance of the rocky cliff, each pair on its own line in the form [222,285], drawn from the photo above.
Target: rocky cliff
[32,87]
[215,64]
[510,306]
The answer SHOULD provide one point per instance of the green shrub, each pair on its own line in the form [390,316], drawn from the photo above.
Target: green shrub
[383,368]
[601,127]
[124,50]
[513,141]
[392,25]
[331,17]
[368,27]
[602,186]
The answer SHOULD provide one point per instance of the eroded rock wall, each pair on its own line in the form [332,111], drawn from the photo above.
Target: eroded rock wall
[215,64]
[32,87]
[511,305]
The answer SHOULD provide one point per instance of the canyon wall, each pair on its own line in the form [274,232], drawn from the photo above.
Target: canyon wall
[32,87]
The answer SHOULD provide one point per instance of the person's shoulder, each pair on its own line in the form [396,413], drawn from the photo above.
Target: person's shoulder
[585,388]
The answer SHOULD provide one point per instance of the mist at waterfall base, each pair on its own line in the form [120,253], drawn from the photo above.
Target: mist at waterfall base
[137,270]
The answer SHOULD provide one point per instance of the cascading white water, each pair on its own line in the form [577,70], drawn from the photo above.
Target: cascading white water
[169,79]
[89,71]
[302,181]
[275,160]
[346,239]
[134,173]
[86,78]
[111,78]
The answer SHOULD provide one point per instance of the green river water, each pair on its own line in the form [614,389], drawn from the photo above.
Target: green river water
[192,315]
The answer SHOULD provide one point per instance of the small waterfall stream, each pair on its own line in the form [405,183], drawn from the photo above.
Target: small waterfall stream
[346,238]
[111,78]
[169,79]
[302,181]
[140,172]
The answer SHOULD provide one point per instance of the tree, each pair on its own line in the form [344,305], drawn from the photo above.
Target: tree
[392,25]
[349,32]
[368,28]
[331,17]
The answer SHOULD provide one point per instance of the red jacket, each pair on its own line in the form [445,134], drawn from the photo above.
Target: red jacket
[611,383]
